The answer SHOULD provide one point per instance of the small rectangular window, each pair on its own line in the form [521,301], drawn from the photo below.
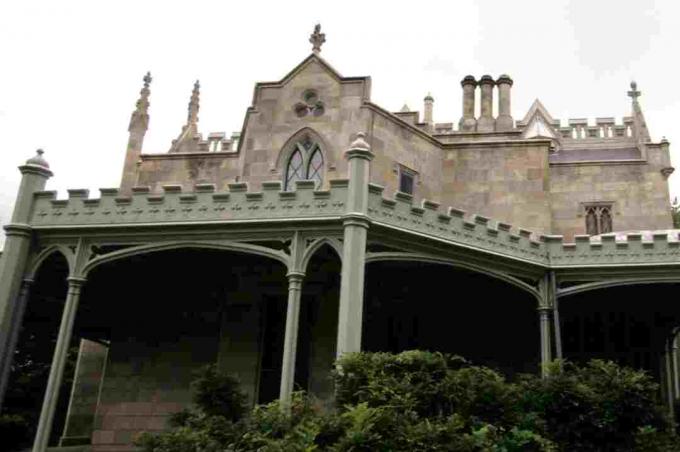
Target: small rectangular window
[407,179]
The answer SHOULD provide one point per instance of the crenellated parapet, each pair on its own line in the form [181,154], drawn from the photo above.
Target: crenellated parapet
[201,205]
[425,220]
[584,129]
[454,225]
[612,249]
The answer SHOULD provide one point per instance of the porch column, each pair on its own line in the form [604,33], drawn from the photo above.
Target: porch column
[355,223]
[13,339]
[556,314]
[546,352]
[290,339]
[58,362]
[34,175]
[674,355]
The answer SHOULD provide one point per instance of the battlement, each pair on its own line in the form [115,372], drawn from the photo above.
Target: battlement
[471,232]
[584,129]
[216,142]
[203,204]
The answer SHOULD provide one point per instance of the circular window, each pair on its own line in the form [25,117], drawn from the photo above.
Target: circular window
[318,109]
[301,110]
[310,96]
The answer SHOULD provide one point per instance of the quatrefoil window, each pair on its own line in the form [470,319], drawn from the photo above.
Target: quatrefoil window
[311,104]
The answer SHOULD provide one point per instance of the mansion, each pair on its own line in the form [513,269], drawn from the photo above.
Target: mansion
[330,225]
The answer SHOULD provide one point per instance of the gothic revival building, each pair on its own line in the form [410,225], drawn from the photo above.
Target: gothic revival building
[330,225]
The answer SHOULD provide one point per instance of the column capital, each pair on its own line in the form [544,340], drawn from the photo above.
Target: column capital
[76,281]
[17,229]
[545,309]
[295,275]
[356,219]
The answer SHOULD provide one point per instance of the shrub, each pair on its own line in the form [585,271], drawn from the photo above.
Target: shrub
[423,401]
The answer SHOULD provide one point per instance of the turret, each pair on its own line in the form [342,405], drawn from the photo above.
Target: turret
[428,107]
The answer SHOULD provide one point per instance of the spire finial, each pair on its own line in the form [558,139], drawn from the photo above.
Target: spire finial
[634,93]
[143,101]
[317,39]
[192,117]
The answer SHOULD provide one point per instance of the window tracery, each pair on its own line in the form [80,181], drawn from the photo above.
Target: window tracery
[598,218]
[306,162]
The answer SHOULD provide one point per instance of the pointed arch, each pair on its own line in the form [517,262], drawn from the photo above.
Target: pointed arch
[315,246]
[573,290]
[165,246]
[39,258]
[287,150]
[424,258]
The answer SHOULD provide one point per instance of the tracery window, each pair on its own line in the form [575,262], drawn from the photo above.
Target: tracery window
[598,218]
[305,163]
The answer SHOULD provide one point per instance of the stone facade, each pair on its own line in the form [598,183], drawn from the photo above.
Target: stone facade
[535,173]
[249,249]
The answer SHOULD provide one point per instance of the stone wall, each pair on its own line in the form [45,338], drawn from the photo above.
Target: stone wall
[506,181]
[638,192]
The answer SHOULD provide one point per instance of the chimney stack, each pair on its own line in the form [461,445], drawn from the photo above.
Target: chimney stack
[504,121]
[468,123]
[429,103]
[486,123]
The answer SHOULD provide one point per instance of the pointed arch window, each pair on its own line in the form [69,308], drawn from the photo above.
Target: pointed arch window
[305,163]
[598,218]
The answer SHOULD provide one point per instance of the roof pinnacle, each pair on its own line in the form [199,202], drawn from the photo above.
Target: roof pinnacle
[317,39]
[634,93]
[143,101]
[192,117]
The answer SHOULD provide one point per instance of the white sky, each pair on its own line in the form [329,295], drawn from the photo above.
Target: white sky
[72,70]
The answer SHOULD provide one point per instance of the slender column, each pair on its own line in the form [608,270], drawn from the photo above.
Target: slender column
[34,175]
[668,378]
[290,340]
[356,224]
[58,362]
[552,286]
[546,352]
[14,334]
[674,355]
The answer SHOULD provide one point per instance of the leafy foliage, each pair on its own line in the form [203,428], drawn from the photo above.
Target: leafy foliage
[424,401]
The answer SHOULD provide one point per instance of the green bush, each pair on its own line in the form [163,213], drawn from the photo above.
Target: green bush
[424,401]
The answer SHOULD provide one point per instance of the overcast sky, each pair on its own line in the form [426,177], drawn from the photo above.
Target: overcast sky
[72,70]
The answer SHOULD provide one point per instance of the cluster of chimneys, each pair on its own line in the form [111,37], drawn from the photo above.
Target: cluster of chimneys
[486,122]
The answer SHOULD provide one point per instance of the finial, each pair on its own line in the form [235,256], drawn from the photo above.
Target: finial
[429,97]
[634,93]
[147,79]
[405,109]
[38,159]
[192,117]
[142,105]
[360,142]
[317,38]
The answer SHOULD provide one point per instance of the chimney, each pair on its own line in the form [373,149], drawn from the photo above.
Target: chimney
[468,123]
[429,103]
[504,121]
[486,123]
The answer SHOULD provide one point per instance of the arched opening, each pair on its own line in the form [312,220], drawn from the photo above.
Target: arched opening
[34,349]
[305,161]
[413,305]
[167,313]
[627,324]
[318,323]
